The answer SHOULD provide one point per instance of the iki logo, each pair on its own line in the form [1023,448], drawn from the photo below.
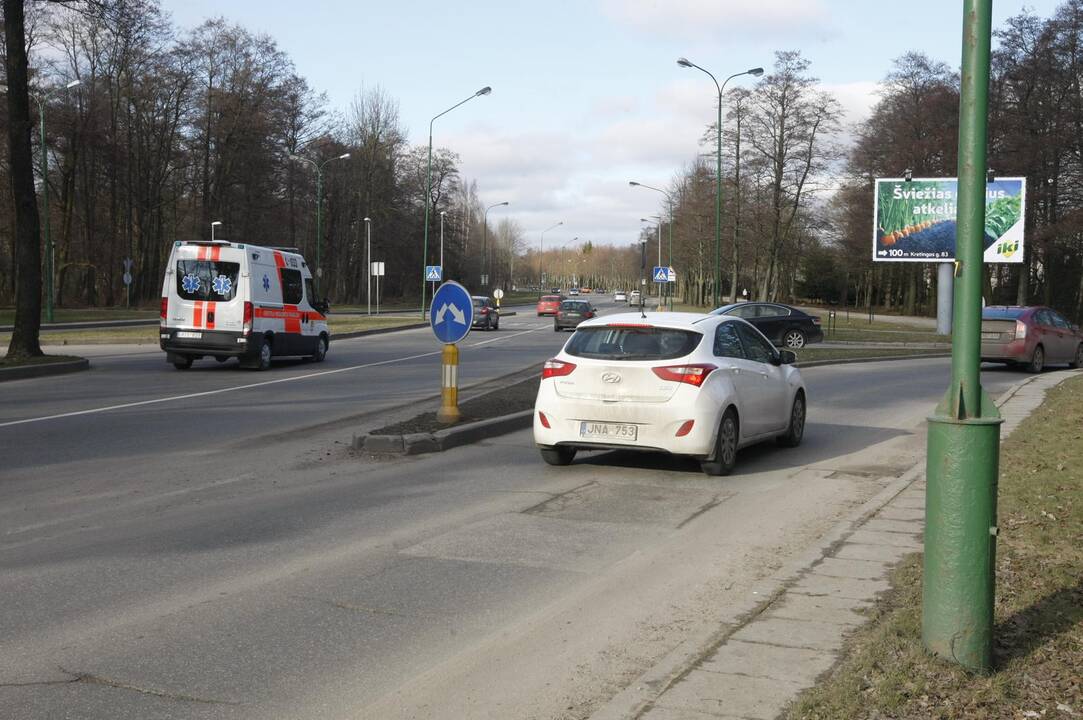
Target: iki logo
[1007,248]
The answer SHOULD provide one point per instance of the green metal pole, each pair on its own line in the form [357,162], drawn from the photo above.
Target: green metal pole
[48,233]
[670,289]
[425,242]
[718,207]
[319,226]
[964,432]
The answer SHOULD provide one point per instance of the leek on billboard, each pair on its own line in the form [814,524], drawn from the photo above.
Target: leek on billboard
[915,220]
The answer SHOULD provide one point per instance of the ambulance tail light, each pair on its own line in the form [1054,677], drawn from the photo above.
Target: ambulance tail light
[164,311]
[247,326]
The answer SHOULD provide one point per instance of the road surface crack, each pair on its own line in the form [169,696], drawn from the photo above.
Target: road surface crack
[91,679]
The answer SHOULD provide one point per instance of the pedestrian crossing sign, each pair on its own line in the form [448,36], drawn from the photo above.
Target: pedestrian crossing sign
[663,274]
[434,273]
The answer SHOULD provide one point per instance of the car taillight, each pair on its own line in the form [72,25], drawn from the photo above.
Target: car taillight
[815,319]
[556,368]
[588,314]
[247,321]
[691,374]
[1020,330]
[164,311]
[485,311]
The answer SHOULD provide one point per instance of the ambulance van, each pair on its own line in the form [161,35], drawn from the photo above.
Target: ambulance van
[223,300]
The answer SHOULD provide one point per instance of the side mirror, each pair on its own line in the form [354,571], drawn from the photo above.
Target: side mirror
[787,357]
[321,306]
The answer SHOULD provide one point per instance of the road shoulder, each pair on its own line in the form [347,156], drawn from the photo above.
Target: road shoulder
[757,667]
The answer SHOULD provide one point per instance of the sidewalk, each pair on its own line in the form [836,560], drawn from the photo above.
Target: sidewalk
[755,668]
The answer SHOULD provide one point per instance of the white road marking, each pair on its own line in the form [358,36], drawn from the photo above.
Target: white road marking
[219,391]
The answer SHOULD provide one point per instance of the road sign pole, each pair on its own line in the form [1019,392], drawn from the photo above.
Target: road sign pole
[964,432]
[449,390]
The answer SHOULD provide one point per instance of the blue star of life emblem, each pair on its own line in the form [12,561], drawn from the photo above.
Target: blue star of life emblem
[266,282]
[190,283]
[222,285]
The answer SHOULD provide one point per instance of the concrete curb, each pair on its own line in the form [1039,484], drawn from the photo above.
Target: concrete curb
[376,331]
[43,369]
[848,361]
[420,443]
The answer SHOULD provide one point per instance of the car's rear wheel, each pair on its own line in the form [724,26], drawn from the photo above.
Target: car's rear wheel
[559,455]
[556,327]
[263,355]
[794,339]
[1037,360]
[183,363]
[796,430]
[1077,361]
[725,447]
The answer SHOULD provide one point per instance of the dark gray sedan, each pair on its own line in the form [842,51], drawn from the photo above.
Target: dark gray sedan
[785,326]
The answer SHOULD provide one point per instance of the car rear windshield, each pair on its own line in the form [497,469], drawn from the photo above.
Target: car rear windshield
[632,343]
[1002,313]
[550,298]
[207,280]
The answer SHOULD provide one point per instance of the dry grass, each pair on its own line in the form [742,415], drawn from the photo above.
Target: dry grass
[885,672]
[808,354]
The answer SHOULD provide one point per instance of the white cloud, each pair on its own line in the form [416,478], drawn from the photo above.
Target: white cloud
[689,19]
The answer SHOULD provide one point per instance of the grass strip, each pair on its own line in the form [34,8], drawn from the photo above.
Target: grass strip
[39,360]
[885,672]
[149,334]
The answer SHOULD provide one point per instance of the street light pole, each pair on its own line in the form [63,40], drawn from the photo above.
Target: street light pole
[442,214]
[428,192]
[669,198]
[484,242]
[959,585]
[49,254]
[319,203]
[563,267]
[368,265]
[755,72]
[541,254]
[659,227]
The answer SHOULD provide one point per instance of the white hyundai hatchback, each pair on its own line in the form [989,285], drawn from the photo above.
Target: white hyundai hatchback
[683,383]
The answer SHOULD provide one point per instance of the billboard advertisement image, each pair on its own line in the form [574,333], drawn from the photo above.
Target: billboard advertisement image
[915,220]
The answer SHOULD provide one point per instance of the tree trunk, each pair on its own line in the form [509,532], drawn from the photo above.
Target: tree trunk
[25,340]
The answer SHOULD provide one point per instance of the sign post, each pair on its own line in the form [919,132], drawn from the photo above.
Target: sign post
[450,316]
[128,262]
[377,271]
[964,432]
[498,295]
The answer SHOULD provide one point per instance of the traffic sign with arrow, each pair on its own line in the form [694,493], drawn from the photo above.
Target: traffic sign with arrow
[451,313]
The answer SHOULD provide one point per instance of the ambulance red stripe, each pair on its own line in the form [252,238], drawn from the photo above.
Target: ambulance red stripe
[197,313]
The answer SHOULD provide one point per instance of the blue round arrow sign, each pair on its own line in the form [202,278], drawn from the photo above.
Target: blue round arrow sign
[451,313]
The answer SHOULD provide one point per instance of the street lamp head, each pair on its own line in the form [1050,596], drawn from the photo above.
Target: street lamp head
[484,91]
[443,212]
[73,83]
[368,220]
[216,223]
[633,183]
[683,62]
[343,156]
[504,203]
[755,72]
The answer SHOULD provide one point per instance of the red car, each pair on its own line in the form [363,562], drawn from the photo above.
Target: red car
[1030,336]
[549,304]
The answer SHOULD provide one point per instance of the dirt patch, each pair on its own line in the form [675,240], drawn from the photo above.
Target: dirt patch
[503,401]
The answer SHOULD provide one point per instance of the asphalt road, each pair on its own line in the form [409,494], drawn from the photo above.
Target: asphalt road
[224,556]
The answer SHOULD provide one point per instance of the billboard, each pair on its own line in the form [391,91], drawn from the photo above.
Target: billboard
[915,220]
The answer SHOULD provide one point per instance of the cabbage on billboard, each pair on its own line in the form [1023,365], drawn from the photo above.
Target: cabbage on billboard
[915,220]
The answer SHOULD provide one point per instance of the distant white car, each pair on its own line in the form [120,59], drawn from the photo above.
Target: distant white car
[683,383]
[633,297]
[620,296]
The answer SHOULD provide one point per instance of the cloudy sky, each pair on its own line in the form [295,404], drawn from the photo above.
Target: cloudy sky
[586,93]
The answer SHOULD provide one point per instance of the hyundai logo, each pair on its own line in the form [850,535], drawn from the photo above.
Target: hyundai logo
[611,377]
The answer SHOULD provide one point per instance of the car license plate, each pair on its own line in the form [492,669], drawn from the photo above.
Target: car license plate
[189,335]
[990,336]
[607,431]
[571,314]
